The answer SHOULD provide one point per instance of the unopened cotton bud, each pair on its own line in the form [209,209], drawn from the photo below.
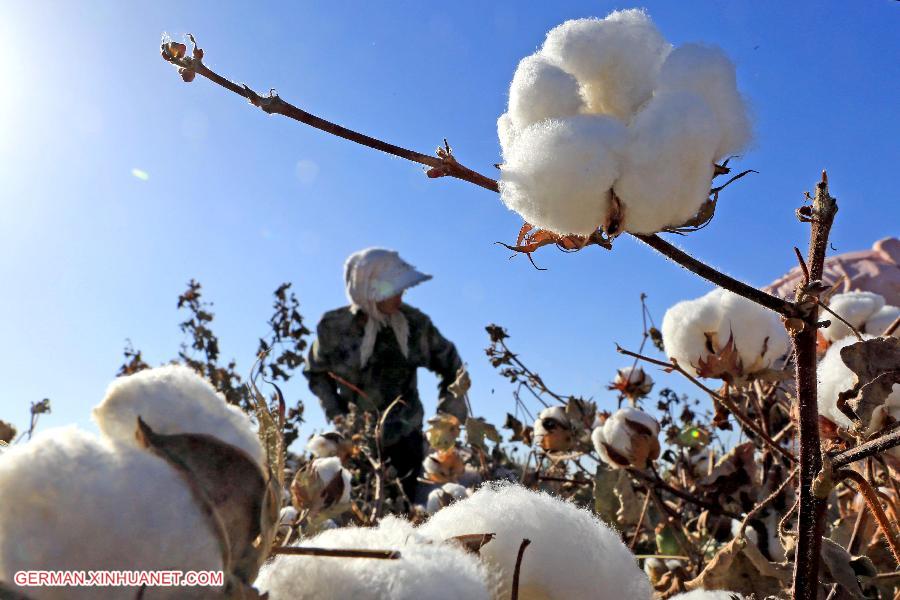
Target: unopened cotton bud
[628,438]
[445,496]
[444,466]
[553,431]
[322,486]
[633,382]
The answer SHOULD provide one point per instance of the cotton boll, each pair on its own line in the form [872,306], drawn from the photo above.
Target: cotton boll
[708,72]
[708,595]
[553,430]
[444,496]
[878,323]
[541,90]
[632,381]
[616,59]
[72,501]
[572,553]
[322,487]
[855,308]
[694,330]
[558,173]
[630,437]
[173,399]
[506,132]
[668,166]
[425,569]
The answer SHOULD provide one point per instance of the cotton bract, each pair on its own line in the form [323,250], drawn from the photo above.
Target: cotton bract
[74,502]
[681,109]
[425,569]
[174,399]
[572,553]
[723,335]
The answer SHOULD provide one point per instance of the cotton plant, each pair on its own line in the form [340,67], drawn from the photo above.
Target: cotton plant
[864,311]
[572,553]
[627,438]
[725,336]
[608,126]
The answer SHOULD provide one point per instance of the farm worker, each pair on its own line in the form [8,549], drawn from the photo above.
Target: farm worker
[367,354]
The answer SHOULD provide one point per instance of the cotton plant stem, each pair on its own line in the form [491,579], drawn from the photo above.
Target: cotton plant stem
[870,448]
[517,571]
[811,517]
[872,501]
[640,523]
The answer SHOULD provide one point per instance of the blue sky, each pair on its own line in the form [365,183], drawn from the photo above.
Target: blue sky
[91,255]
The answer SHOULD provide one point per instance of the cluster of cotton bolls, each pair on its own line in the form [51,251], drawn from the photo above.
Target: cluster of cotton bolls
[865,311]
[629,437]
[572,555]
[608,125]
[723,335]
[75,501]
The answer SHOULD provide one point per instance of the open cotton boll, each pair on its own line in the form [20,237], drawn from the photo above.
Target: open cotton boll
[630,437]
[616,59]
[632,381]
[708,595]
[855,308]
[541,90]
[558,173]
[506,132]
[707,72]
[668,166]
[695,329]
[553,430]
[572,553]
[173,399]
[425,569]
[880,321]
[72,501]
[445,496]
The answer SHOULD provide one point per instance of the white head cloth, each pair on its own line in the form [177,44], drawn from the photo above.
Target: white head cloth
[373,275]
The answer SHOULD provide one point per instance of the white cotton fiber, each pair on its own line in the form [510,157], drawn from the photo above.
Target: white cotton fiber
[616,59]
[881,320]
[572,554]
[668,166]
[541,90]
[855,308]
[74,502]
[835,377]
[173,399]
[442,496]
[707,72]
[559,172]
[425,569]
[692,328]
[708,595]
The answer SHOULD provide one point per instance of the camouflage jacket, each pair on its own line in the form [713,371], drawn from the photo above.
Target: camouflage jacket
[387,374]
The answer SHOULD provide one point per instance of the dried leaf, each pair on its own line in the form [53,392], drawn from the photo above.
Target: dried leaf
[443,431]
[724,364]
[477,429]
[838,561]
[876,363]
[741,568]
[460,387]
